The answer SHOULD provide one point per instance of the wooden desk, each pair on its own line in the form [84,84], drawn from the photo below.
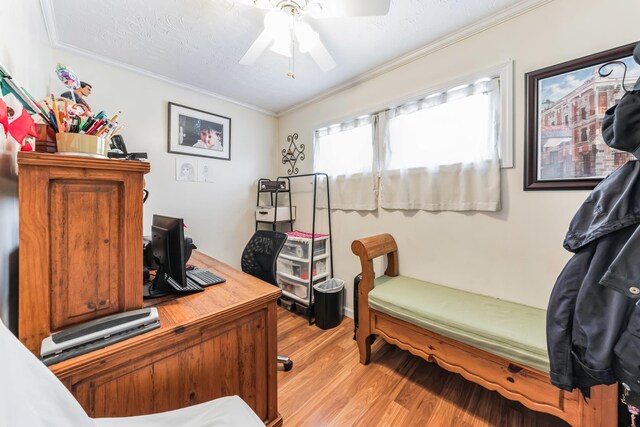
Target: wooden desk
[210,344]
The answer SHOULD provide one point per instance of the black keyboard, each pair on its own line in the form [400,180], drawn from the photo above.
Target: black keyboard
[203,277]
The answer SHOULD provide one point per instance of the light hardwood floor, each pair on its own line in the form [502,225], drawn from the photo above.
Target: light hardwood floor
[329,387]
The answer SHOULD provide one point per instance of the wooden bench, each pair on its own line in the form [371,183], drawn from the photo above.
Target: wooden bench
[511,361]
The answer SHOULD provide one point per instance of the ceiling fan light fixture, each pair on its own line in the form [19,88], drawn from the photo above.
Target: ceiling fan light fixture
[291,6]
[276,23]
[284,27]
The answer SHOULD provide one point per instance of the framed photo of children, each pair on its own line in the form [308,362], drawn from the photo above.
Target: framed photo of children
[565,105]
[199,133]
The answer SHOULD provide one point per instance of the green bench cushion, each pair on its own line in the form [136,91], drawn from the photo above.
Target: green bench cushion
[513,331]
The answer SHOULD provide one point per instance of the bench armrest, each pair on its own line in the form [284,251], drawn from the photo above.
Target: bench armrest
[372,247]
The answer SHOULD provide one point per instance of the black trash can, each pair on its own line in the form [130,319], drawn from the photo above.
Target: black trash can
[329,299]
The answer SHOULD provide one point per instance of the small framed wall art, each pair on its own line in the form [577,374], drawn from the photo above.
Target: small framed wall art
[199,133]
[565,104]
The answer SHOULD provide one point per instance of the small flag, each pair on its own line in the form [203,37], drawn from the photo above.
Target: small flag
[4,116]
[19,122]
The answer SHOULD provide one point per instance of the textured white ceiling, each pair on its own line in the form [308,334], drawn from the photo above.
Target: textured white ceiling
[199,42]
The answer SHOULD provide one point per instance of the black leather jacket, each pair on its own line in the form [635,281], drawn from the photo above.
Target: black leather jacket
[593,323]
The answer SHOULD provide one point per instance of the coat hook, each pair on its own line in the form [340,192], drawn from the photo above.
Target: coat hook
[624,74]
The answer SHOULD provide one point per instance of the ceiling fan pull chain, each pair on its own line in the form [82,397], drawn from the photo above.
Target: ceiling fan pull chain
[292,59]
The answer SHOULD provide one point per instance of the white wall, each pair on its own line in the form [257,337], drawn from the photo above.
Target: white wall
[219,215]
[25,53]
[515,254]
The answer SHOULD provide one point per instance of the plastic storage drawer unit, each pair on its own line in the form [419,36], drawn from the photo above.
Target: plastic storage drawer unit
[300,269]
[296,289]
[299,247]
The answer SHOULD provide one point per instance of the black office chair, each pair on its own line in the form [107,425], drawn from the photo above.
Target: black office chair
[259,260]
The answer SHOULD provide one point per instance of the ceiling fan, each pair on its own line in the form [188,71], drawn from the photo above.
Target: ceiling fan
[285,27]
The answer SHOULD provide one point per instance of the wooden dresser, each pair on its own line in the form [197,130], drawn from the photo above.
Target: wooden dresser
[81,258]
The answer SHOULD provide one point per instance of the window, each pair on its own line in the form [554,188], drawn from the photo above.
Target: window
[444,134]
[344,149]
[440,152]
[345,152]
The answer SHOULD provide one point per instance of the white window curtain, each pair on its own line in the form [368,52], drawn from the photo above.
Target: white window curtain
[441,152]
[346,153]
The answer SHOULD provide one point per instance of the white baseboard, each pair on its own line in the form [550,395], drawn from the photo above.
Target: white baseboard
[348,312]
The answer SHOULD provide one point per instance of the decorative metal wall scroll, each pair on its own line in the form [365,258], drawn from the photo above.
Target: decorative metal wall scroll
[292,154]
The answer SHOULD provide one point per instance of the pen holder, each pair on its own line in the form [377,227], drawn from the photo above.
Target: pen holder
[82,144]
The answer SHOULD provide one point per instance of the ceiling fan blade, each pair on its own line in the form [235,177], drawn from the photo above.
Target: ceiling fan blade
[260,45]
[345,8]
[323,58]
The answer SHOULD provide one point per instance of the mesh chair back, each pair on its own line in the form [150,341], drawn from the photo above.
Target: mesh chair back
[261,253]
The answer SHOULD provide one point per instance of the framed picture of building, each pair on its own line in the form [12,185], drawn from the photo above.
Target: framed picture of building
[198,133]
[565,104]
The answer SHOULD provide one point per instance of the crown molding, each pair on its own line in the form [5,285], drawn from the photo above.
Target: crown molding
[52,31]
[448,40]
[49,21]
[146,73]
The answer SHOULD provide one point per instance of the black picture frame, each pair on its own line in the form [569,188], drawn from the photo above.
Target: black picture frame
[562,156]
[198,133]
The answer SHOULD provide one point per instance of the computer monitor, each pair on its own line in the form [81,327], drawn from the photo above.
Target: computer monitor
[167,239]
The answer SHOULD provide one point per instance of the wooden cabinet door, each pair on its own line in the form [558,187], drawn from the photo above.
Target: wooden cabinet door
[86,250]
